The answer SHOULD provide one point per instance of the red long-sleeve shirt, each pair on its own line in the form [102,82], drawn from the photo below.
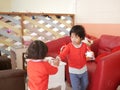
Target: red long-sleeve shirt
[38,74]
[76,56]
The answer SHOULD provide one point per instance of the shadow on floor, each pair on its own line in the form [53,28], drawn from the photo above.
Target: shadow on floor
[68,87]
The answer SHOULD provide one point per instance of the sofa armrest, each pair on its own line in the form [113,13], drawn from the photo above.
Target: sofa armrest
[12,73]
[13,79]
[107,75]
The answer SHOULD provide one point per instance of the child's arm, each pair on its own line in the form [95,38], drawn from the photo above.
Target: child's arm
[63,53]
[89,54]
[52,61]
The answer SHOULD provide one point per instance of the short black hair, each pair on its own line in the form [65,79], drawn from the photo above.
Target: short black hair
[37,50]
[78,30]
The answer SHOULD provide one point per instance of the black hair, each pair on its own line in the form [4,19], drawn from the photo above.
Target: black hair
[37,50]
[78,30]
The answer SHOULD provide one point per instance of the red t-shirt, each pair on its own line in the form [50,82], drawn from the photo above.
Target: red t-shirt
[38,74]
[76,56]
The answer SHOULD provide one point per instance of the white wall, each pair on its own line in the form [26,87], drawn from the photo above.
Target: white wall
[44,6]
[86,11]
[97,11]
[5,5]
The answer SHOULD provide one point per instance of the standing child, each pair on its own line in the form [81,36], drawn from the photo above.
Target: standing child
[76,51]
[38,69]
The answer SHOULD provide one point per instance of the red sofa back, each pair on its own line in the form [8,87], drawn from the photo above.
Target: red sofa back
[55,45]
[105,44]
[108,42]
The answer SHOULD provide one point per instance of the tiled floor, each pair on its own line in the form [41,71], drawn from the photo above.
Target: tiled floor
[68,87]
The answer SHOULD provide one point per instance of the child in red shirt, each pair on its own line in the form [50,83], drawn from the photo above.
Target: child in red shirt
[76,51]
[38,69]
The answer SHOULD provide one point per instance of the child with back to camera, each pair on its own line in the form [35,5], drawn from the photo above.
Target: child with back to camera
[38,69]
[76,51]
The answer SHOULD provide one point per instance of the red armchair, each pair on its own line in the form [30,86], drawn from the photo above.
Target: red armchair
[105,74]
[104,71]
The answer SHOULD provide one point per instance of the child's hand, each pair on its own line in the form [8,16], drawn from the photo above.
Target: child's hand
[58,58]
[56,62]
